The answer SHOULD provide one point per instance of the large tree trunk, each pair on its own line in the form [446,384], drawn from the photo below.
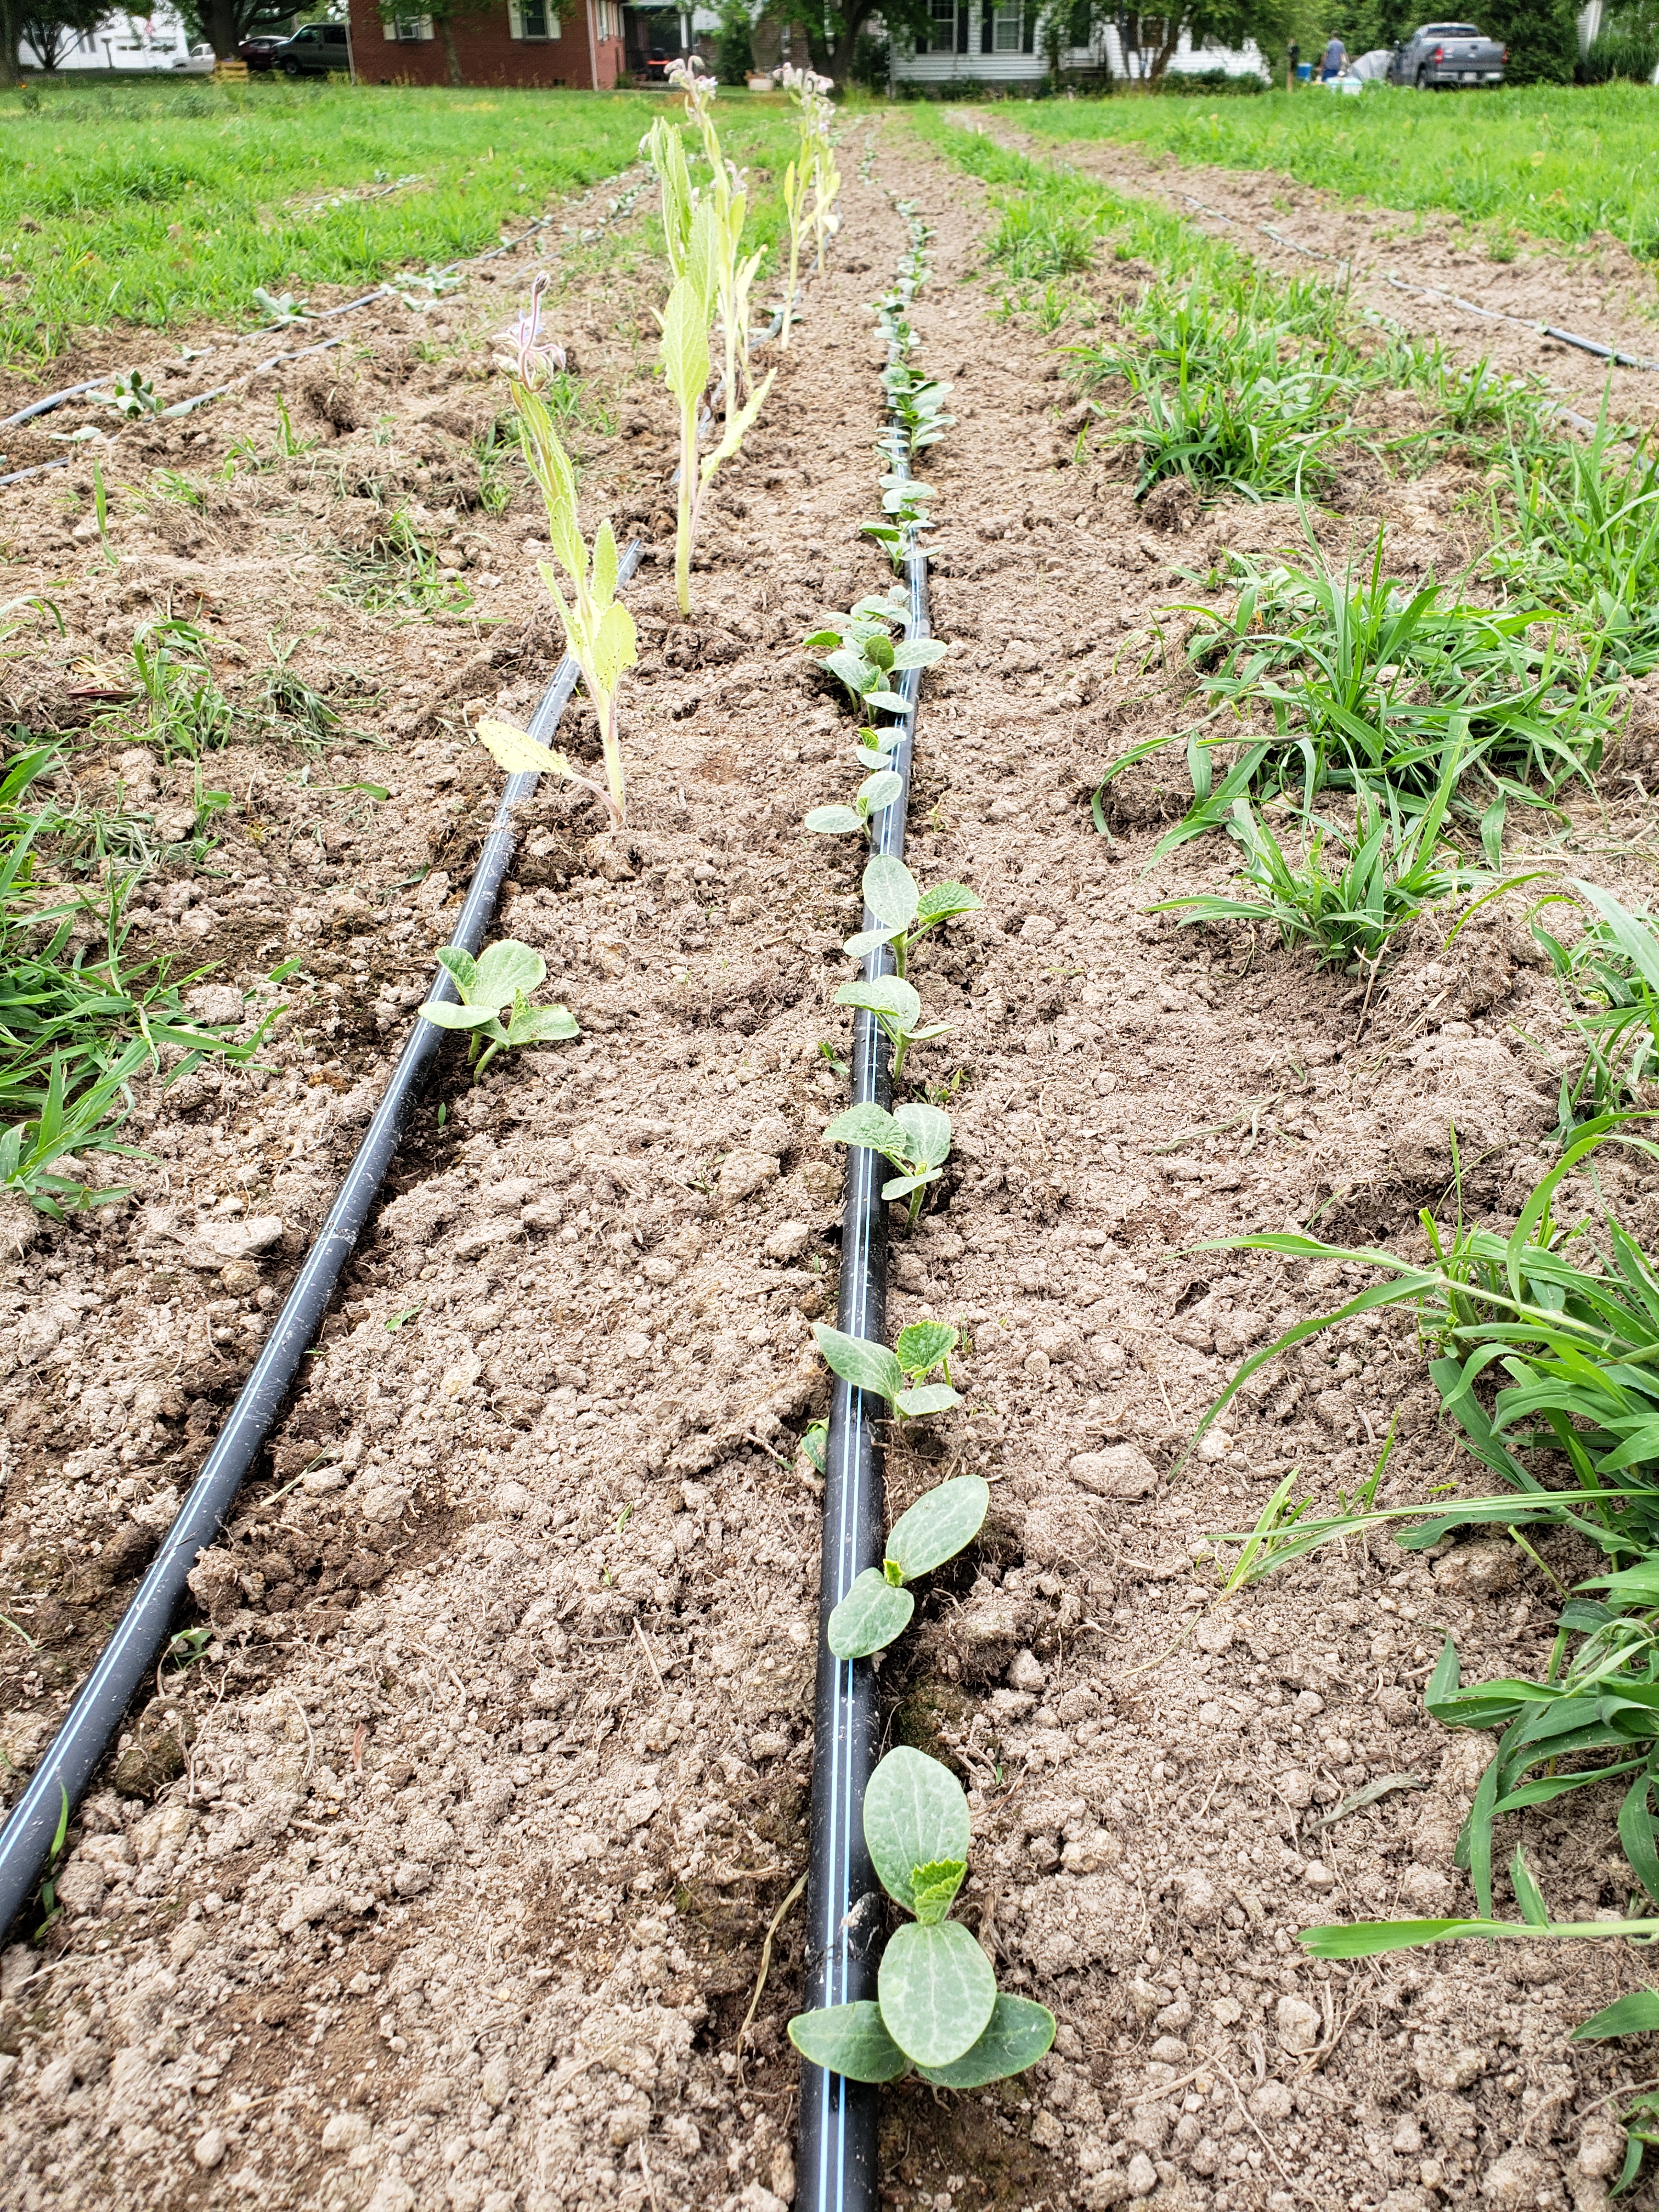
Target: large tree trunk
[11,31]
[221,27]
[450,55]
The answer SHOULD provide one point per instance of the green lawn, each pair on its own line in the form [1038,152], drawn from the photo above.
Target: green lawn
[158,205]
[1556,161]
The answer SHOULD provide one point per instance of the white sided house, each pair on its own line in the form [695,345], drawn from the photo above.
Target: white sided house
[983,42]
[155,41]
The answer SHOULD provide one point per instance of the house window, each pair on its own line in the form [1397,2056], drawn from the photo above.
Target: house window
[535,18]
[941,37]
[1006,30]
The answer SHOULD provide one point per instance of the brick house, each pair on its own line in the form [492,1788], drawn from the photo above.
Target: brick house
[511,42]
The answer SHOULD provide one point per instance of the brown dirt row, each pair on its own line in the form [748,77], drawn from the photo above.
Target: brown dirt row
[442,1878]
[1601,292]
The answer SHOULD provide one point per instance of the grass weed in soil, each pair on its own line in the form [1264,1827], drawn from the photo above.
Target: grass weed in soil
[1559,162]
[457,1845]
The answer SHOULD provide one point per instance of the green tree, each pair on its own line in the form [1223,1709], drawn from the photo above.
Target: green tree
[48,26]
[445,15]
[734,43]
[1542,35]
[225,23]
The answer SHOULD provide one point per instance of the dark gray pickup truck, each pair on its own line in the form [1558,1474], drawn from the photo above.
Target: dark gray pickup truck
[1441,56]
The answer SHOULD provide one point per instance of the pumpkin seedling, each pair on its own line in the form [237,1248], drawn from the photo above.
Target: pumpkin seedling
[903,503]
[899,1376]
[860,653]
[916,1139]
[499,982]
[878,1608]
[873,796]
[938,2008]
[905,913]
[897,1007]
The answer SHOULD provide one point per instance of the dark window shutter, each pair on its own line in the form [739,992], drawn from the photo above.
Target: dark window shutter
[986,27]
[1028,35]
[961,27]
[921,42]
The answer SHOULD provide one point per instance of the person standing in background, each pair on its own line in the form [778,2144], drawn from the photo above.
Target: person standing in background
[1336,59]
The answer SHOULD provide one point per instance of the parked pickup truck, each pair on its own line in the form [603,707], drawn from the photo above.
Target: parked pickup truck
[1441,56]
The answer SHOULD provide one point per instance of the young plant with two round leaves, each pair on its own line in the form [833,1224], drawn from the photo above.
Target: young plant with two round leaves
[499,982]
[916,1139]
[878,1608]
[905,913]
[938,2008]
[860,651]
[899,1377]
[904,511]
[598,630]
[897,1005]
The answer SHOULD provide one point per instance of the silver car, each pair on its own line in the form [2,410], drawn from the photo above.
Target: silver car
[1441,57]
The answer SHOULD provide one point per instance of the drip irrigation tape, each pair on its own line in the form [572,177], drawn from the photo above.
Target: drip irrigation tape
[836,2166]
[142,1634]
[1526,323]
[200,399]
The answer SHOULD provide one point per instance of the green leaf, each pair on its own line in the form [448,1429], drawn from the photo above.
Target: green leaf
[902,1186]
[850,2040]
[822,640]
[443,1016]
[937,1991]
[1635,1833]
[869,1617]
[505,968]
[1528,1894]
[938,1524]
[889,702]
[1019,2033]
[928,1128]
[919,653]
[945,900]
[923,1344]
[1370,1939]
[1635,2014]
[858,1360]
[833,821]
[867,942]
[871,1126]
[931,1398]
[542,1025]
[889,891]
[878,791]
[914,1815]
[851,669]
[460,964]
[883,994]
[934,1887]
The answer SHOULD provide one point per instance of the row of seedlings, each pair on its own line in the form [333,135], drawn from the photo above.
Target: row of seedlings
[936,2010]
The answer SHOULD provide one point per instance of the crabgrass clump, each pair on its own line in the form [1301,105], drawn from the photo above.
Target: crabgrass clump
[78,1022]
[1352,891]
[1368,684]
[1611,978]
[938,2008]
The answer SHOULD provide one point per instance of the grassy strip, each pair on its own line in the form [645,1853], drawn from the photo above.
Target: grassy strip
[1552,162]
[124,207]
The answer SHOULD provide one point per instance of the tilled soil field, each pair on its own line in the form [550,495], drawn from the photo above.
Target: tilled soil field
[443,1875]
[1433,276]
